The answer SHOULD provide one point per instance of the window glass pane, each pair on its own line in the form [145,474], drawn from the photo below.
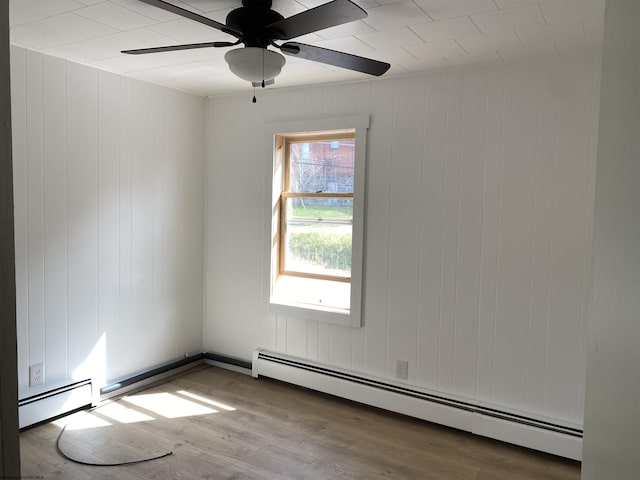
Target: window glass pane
[318,236]
[322,166]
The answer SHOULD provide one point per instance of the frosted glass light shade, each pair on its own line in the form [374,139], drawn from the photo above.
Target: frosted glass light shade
[254,64]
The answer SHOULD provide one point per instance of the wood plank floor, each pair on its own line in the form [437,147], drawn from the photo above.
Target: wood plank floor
[224,425]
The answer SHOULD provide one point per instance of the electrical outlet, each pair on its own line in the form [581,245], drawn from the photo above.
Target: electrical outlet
[36,374]
[402,369]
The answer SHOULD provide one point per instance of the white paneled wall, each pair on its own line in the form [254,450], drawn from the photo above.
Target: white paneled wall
[478,230]
[109,203]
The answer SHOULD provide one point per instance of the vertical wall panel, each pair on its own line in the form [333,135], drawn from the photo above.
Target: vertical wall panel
[248,231]
[19,146]
[404,229]
[450,208]
[82,208]
[589,234]
[431,222]
[235,250]
[492,180]
[281,333]
[472,158]
[567,248]
[312,340]
[516,213]
[145,172]
[35,206]
[160,321]
[55,218]
[266,330]
[220,247]
[542,232]
[323,342]
[340,346]
[108,211]
[125,342]
[192,138]
[340,100]
[296,337]
[294,107]
[183,197]
[358,350]
[238,249]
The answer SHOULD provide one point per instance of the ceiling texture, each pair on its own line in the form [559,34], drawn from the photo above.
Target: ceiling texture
[411,35]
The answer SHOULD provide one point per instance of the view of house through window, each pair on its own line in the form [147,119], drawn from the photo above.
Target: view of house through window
[317,207]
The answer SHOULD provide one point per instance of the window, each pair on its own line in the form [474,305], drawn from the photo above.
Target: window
[316,206]
[317,215]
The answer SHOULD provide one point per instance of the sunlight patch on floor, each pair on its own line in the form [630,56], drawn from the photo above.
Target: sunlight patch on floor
[206,400]
[122,414]
[81,421]
[168,405]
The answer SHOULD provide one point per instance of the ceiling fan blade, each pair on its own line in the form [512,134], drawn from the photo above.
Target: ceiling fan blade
[335,58]
[193,16]
[172,48]
[324,16]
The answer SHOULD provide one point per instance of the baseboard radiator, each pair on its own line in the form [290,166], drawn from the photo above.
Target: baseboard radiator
[513,427]
[55,402]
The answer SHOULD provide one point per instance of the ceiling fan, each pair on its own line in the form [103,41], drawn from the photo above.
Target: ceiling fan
[257,26]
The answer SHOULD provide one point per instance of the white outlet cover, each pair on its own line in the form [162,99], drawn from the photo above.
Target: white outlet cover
[36,374]
[402,369]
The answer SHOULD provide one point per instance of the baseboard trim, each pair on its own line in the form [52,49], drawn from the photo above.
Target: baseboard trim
[149,377]
[228,363]
[54,402]
[159,374]
[519,428]
[214,357]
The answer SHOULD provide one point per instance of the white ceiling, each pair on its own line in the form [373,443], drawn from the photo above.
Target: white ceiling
[412,35]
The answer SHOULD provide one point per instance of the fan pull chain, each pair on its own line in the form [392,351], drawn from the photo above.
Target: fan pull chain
[263,50]
[254,100]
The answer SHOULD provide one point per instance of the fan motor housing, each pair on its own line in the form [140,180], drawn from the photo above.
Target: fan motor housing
[251,20]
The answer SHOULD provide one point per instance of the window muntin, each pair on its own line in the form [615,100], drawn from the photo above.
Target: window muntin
[316,207]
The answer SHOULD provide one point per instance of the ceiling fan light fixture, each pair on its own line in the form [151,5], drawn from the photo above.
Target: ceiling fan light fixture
[254,64]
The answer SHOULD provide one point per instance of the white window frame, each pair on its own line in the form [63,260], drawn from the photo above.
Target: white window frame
[276,302]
